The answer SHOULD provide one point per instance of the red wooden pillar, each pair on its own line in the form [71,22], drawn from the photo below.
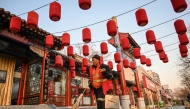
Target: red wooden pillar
[24,83]
[68,89]
[138,85]
[21,85]
[42,78]
[122,80]
[93,98]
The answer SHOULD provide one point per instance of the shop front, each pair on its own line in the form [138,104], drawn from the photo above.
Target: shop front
[149,92]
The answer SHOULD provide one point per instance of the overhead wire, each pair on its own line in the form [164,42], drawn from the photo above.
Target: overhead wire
[105,19]
[142,29]
[36,8]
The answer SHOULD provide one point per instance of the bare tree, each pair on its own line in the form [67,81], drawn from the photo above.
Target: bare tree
[181,93]
[92,51]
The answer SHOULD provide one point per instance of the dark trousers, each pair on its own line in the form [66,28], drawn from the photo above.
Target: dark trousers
[99,94]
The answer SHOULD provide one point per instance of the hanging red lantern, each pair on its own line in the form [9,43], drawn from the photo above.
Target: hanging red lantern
[162,55]
[70,50]
[125,63]
[180,26]
[55,11]
[65,39]
[183,48]
[111,28]
[183,39]
[110,64]
[136,53]
[71,62]
[119,67]
[84,4]
[85,50]
[15,24]
[141,17]
[133,65]
[49,41]
[143,59]
[150,37]
[32,20]
[158,46]
[83,69]
[125,44]
[148,62]
[86,35]
[117,57]
[183,55]
[179,5]
[72,68]
[101,60]
[58,61]
[104,48]
[73,74]
[165,60]
[85,62]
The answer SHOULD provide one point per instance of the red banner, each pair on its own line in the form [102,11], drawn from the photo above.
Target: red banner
[149,84]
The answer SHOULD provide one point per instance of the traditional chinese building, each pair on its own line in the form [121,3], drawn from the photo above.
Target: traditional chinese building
[28,74]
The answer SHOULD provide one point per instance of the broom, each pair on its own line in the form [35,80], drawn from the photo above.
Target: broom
[76,105]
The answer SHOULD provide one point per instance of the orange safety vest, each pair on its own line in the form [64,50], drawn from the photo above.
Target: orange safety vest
[98,80]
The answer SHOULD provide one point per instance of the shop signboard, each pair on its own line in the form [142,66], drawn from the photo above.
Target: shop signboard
[149,84]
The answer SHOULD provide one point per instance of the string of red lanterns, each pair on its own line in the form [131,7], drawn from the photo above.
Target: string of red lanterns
[142,20]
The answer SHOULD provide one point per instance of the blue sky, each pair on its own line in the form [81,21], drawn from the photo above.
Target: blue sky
[73,17]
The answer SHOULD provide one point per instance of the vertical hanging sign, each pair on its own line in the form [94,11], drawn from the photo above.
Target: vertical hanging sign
[45,91]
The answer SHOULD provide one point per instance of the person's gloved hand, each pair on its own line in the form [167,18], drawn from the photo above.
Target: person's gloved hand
[90,84]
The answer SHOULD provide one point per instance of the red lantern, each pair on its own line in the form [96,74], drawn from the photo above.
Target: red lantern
[73,74]
[150,37]
[83,69]
[117,57]
[110,64]
[84,4]
[162,55]
[183,55]
[125,44]
[158,46]
[85,50]
[118,67]
[111,28]
[72,68]
[58,61]
[125,63]
[104,48]
[15,24]
[49,41]
[136,53]
[32,20]
[165,60]
[183,48]
[85,62]
[86,35]
[148,62]
[71,62]
[179,5]
[141,17]
[143,59]
[180,26]
[133,65]
[183,39]
[55,11]
[101,60]
[66,39]
[70,50]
